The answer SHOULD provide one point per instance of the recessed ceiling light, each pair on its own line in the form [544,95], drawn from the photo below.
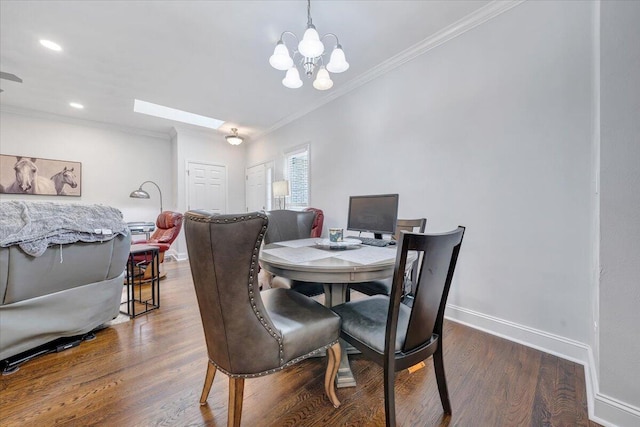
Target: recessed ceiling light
[76,105]
[51,45]
[156,110]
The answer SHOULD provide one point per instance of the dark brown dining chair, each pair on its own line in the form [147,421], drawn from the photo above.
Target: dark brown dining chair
[292,225]
[383,286]
[396,336]
[251,333]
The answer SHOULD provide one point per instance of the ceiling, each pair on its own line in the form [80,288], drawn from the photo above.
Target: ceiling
[205,57]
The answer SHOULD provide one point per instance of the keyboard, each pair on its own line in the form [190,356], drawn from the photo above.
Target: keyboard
[374,242]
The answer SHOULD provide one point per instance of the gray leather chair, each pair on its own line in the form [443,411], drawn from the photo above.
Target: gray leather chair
[383,286]
[251,333]
[291,225]
[396,336]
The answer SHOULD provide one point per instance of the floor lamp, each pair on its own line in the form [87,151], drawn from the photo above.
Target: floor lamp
[141,194]
[281,191]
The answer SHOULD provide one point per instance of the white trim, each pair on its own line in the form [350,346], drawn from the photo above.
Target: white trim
[83,122]
[603,409]
[480,16]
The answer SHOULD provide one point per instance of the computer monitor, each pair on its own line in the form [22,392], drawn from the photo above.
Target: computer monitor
[375,214]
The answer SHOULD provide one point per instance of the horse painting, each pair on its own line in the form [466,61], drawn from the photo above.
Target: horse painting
[65,176]
[27,179]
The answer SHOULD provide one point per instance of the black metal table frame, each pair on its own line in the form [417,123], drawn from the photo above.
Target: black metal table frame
[134,280]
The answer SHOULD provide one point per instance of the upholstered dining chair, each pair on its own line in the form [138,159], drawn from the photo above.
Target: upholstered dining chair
[291,225]
[251,333]
[396,336]
[168,226]
[383,286]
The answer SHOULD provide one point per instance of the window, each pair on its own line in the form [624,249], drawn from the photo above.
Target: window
[296,171]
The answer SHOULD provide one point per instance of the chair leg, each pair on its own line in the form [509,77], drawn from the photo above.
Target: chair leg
[208,381]
[333,363]
[441,379]
[389,396]
[236,391]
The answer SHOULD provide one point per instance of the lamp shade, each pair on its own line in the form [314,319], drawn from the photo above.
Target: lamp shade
[280,188]
[139,194]
[292,79]
[234,139]
[310,46]
[280,60]
[323,80]
[337,62]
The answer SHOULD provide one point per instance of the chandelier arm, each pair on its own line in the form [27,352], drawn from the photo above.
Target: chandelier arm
[331,34]
[290,33]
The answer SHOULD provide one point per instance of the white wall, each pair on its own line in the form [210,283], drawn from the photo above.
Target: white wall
[212,148]
[620,203]
[493,131]
[114,162]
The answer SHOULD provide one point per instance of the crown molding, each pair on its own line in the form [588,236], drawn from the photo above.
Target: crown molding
[82,122]
[478,17]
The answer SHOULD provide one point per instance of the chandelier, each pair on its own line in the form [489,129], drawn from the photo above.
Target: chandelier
[310,51]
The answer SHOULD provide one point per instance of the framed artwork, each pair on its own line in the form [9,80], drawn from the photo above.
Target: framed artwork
[33,175]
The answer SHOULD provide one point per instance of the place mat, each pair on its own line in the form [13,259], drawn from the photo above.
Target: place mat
[298,255]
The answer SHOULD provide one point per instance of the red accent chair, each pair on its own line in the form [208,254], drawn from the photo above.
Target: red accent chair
[316,228]
[168,226]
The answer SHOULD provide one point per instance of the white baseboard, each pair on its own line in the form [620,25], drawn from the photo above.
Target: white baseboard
[177,256]
[603,409]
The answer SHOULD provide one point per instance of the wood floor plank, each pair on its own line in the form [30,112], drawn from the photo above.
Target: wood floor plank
[150,372]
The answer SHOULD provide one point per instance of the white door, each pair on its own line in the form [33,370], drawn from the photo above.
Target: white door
[255,189]
[207,187]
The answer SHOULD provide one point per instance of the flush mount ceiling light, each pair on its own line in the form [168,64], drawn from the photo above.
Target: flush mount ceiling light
[51,45]
[311,52]
[234,139]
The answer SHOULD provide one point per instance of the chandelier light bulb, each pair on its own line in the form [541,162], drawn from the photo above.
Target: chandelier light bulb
[280,60]
[323,80]
[337,62]
[310,46]
[292,79]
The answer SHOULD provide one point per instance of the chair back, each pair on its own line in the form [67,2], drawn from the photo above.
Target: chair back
[223,253]
[168,226]
[410,225]
[439,254]
[288,225]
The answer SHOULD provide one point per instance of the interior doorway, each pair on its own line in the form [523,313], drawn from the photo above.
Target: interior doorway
[258,187]
[207,187]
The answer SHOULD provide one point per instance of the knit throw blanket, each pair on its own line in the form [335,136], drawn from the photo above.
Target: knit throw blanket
[36,225]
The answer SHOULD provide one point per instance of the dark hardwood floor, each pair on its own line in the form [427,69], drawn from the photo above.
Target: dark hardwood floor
[149,372]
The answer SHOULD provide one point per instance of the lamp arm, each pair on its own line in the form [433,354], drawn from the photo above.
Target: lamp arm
[159,191]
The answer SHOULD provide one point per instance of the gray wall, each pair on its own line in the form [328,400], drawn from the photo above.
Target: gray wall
[620,201]
[492,130]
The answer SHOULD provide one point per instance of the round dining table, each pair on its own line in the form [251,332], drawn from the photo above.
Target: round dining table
[315,260]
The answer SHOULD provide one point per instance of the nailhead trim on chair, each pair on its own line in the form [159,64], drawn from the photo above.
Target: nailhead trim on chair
[271,371]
